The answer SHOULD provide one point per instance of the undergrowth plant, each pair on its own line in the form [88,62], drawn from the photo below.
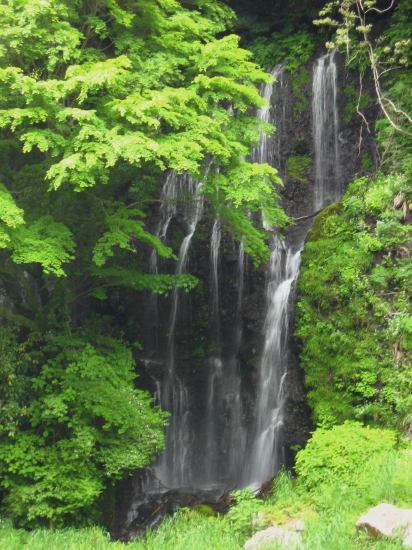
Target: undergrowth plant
[340,453]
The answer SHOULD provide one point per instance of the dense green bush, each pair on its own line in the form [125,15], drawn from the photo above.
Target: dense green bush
[354,316]
[79,424]
[340,454]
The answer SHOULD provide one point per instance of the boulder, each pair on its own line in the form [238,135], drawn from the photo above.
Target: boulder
[387,520]
[285,538]
[295,525]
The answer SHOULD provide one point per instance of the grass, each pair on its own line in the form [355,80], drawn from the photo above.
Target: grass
[183,532]
[329,512]
[61,539]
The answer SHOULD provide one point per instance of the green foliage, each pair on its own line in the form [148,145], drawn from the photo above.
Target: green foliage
[121,228]
[298,166]
[367,163]
[353,317]
[300,84]
[339,454]
[10,214]
[355,102]
[13,382]
[244,514]
[293,47]
[395,49]
[45,241]
[61,539]
[239,226]
[79,423]
[189,529]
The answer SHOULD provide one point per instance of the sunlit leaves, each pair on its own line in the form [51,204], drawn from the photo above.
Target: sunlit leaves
[10,213]
[60,463]
[122,229]
[46,242]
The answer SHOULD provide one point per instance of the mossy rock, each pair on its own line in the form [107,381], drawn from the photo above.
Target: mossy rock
[321,226]
[204,510]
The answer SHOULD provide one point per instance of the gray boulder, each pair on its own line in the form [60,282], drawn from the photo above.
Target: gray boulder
[284,537]
[387,520]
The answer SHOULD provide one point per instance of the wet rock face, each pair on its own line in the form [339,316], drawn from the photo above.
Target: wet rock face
[144,502]
[196,344]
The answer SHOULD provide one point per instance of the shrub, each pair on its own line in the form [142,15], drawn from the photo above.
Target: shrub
[340,453]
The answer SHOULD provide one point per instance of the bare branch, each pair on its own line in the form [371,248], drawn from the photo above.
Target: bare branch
[310,215]
[377,10]
[358,110]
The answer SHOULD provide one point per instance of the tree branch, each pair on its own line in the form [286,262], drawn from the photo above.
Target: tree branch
[310,215]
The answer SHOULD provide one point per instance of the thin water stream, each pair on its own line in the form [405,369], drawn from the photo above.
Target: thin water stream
[174,466]
[266,446]
[328,179]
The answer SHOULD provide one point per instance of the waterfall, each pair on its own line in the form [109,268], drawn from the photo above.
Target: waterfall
[328,184]
[283,271]
[227,402]
[214,264]
[223,447]
[262,153]
[235,432]
[215,362]
[264,455]
[279,120]
[174,465]
[168,207]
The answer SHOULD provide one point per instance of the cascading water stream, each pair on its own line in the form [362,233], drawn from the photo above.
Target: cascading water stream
[214,265]
[235,432]
[262,153]
[215,362]
[283,271]
[328,181]
[174,465]
[264,456]
[168,207]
